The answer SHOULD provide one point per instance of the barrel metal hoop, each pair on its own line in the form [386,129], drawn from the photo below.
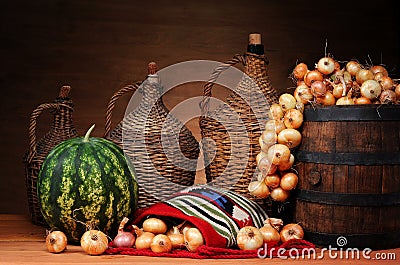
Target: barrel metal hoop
[351,159]
[348,199]
[384,240]
[353,113]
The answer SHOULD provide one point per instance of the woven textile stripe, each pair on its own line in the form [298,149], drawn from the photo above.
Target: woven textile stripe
[193,206]
[225,211]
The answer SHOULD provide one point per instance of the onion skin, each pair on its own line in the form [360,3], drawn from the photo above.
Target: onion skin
[272,181]
[56,242]
[193,239]
[94,242]
[144,239]
[397,91]
[291,231]
[161,244]
[124,239]
[326,65]
[258,189]
[362,100]
[269,233]
[387,97]
[155,226]
[287,101]
[379,69]
[293,119]
[289,181]
[278,154]
[312,76]
[289,137]
[364,75]
[249,238]
[353,67]
[371,89]
[279,194]
[177,238]
[300,70]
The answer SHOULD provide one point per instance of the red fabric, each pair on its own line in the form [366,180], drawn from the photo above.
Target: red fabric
[207,252]
[211,237]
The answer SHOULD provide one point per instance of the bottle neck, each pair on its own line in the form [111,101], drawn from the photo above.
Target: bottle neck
[256,49]
[63,115]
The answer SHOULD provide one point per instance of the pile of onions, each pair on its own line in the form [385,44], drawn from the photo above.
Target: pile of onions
[280,136]
[331,83]
[159,236]
[251,238]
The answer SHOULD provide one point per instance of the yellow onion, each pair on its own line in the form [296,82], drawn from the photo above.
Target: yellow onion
[269,233]
[272,181]
[326,65]
[279,194]
[289,137]
[371,89]
[289,181]
[193,239]
[144,239]
[161,244]
[176,237]
[258,189]
[293,119]
[249,238]
[275,111]
[278,154]
[94,242]
[56,242]
[287,101]
[286,165]
[291,231]
[155,226]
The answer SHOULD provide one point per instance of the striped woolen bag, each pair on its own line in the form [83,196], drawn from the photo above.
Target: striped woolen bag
[218,214]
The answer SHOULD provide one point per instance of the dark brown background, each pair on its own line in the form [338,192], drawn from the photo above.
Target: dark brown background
[99,46]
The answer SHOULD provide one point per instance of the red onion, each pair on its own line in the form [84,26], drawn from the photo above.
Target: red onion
[124,239]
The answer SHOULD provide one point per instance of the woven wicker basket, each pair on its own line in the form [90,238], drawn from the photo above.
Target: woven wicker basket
[61,129]
[147,136]
[235,127]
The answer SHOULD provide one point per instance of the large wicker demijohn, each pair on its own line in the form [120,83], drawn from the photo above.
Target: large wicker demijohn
[231,131]
[162,149]
[61,129]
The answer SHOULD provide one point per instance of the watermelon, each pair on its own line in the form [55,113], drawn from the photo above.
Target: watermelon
[86,182]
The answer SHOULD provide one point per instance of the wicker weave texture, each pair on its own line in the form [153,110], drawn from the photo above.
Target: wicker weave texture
[162,149]
[234,128]
[61,129]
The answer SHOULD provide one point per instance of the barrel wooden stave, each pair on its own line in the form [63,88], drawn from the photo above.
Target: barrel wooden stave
[350,180]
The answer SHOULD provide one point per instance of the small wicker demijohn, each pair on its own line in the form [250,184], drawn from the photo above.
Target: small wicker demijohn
[61,129]
[235,127]
[162,149]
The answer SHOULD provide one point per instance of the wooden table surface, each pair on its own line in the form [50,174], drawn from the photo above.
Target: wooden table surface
[24,243]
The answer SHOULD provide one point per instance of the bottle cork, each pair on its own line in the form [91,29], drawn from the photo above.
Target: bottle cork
[254,38]
[152,68]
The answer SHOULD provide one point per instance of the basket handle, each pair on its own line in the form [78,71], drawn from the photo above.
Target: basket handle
[32,126]
[238,58]
[111,104]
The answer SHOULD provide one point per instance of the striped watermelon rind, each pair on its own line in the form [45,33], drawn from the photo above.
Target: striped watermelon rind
[86,183]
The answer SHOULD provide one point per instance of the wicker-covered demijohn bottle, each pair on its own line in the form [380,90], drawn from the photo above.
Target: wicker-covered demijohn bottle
[61,129]
[230,132]
[162,149]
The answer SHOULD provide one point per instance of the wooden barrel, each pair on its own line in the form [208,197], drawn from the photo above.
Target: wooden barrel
[349,176]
